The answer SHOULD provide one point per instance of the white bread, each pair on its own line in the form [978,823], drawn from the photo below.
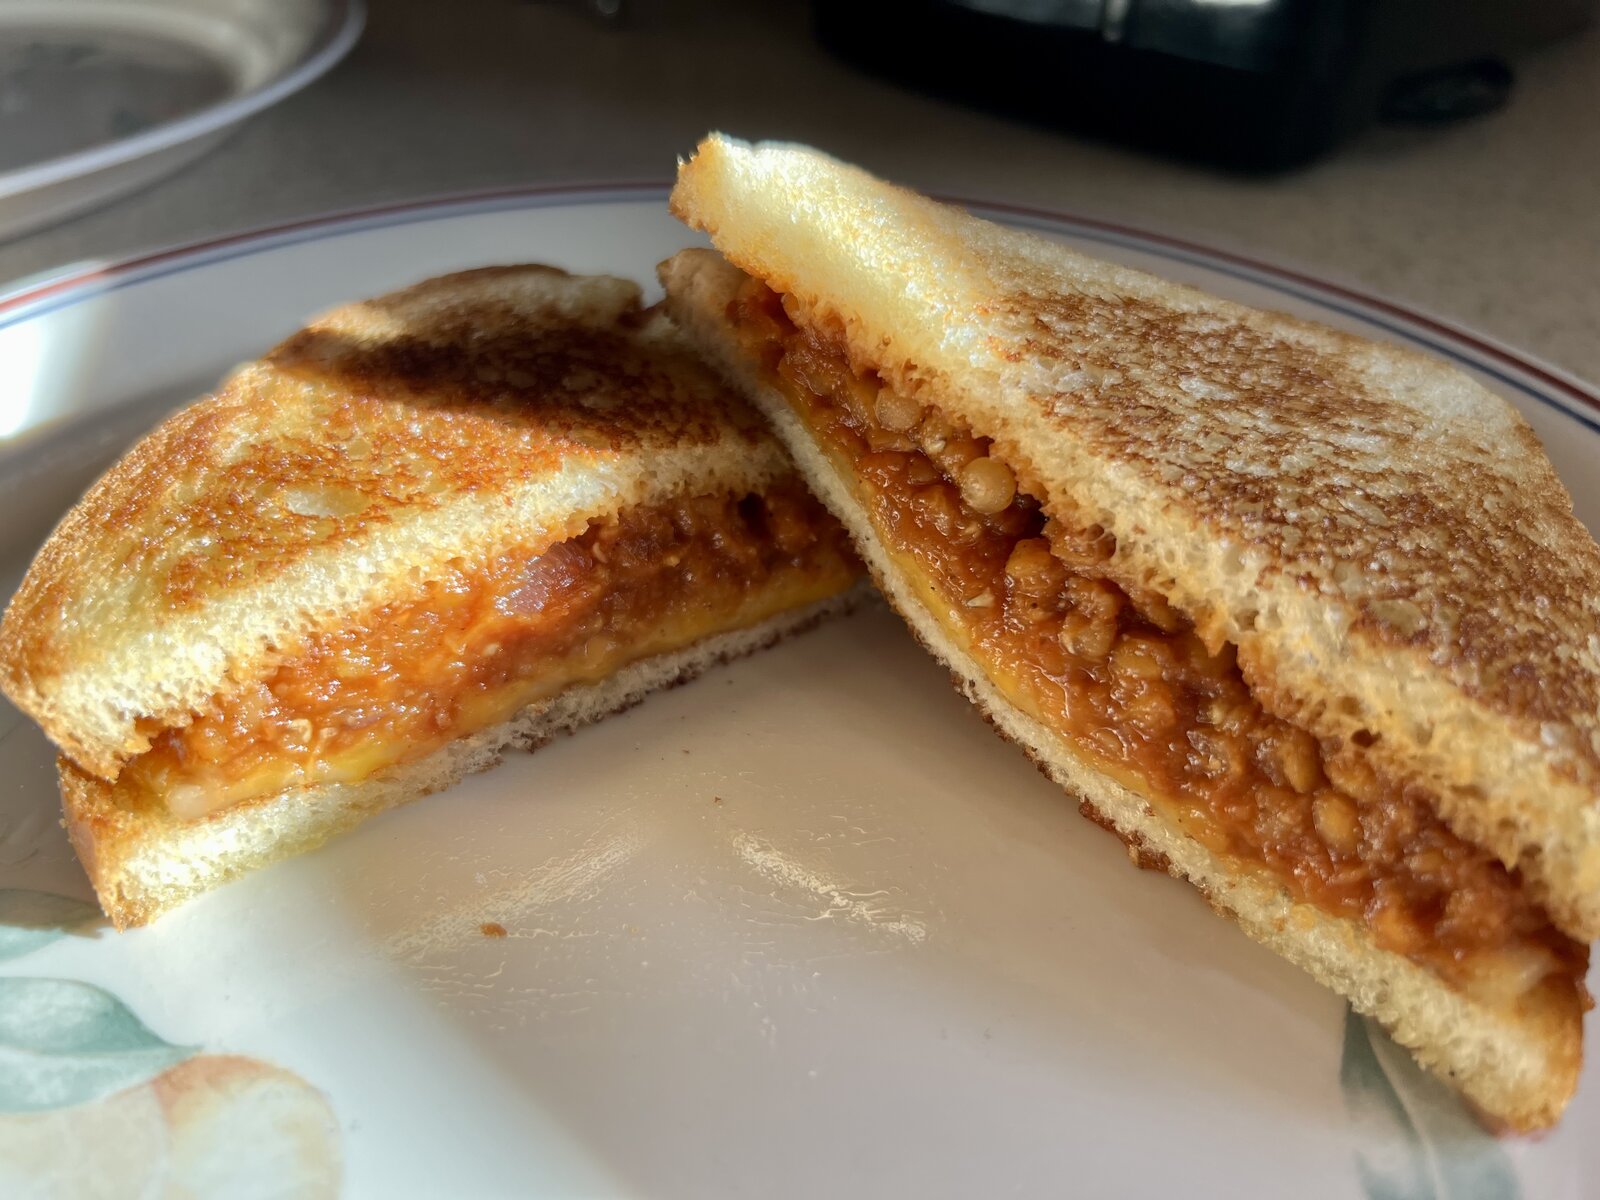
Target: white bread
[493,409]
[1382,538]
[143,862]
[425,438]
[1516,1058]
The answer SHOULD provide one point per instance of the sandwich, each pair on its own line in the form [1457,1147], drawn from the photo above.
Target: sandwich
[425,529]
[1305,620]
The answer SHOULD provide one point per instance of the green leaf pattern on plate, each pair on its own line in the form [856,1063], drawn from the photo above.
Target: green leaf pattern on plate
[1414,1138]
[63,1042]
[29,920]
[73,1058]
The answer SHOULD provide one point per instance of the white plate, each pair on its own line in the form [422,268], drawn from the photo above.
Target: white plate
[803,928]
[99,97]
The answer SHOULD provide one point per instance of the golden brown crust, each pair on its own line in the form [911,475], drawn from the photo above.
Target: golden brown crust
[1446,535]
[1382,537]
[467,409]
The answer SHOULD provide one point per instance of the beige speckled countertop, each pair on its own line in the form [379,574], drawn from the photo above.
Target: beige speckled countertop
[1494,223]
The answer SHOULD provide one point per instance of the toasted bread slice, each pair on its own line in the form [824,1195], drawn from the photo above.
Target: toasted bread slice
[1127,686]
[464,516]
[490,409]
[1381,538]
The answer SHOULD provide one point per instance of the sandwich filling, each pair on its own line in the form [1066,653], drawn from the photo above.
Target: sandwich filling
[1029,592]
[483,640]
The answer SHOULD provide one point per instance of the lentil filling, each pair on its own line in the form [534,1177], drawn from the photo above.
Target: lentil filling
[1123,676]
[480,641]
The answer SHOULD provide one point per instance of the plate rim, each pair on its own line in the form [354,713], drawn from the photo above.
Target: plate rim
[41,293]
[341,24]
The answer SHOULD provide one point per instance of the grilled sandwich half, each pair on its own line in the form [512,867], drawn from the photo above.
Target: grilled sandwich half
[425,529]
[1305,620]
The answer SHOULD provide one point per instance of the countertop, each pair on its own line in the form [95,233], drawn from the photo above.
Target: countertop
[1494,223]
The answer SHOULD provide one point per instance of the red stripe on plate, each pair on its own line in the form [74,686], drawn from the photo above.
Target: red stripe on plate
[1488,349]
[139,262]
[1567,387]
